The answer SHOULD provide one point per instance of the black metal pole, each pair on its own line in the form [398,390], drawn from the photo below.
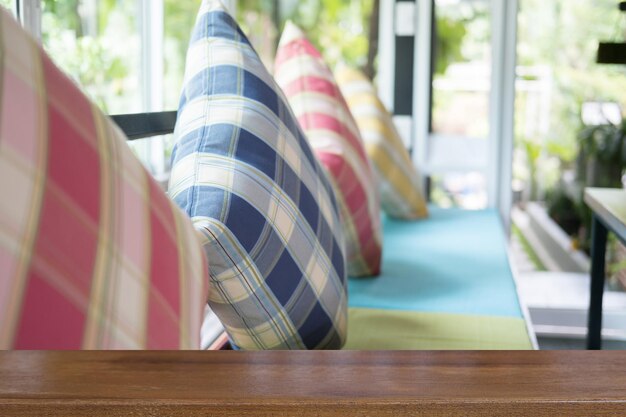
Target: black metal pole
[598,251]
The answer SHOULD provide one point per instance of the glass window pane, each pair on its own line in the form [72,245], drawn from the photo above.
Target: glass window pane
[98,44]
[257,19]
[462,79]
[465,190]
[179,19]
[9,4]
[339,29]
[560,91]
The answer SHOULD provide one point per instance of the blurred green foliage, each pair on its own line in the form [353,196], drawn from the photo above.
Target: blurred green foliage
[450,34]
[564,36]
[7,3]
[88,46]
[533,153]
[462,41]
[179,17]
[603,148]
[338,28]
[79,45]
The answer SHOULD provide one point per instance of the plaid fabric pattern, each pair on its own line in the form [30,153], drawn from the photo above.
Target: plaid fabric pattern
[243,170]
[398,180]
[323,114]
[92,253]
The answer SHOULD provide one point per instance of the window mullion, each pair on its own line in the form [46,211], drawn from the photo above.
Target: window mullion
[502,105]
[152,65]
[29,14]
[422,85]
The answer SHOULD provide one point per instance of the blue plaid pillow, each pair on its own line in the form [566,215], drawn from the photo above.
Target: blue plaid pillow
[243,170]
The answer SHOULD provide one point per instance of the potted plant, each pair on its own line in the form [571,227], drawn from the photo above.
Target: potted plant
[602,156]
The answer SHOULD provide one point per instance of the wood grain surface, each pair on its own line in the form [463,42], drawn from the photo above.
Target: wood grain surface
[340,383]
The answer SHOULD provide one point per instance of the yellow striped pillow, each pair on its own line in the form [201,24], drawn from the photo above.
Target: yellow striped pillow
[398,180]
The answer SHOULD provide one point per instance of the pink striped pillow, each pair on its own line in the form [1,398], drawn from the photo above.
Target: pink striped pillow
[92,252]
[325,117]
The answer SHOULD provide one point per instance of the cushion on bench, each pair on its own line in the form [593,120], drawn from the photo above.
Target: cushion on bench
[93,254]
[374,329]
[244,172]
[446,284]
[333,134]
[398,179]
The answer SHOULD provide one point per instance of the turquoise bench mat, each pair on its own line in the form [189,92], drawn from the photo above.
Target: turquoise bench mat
[453,262]
[372,329]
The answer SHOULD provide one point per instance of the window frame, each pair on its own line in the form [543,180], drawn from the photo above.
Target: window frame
[439,154]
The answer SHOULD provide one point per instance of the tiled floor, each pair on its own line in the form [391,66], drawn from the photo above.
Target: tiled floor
[557,302]
[519,257]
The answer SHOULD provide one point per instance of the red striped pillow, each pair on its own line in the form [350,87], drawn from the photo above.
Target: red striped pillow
[92,252]
[325,117]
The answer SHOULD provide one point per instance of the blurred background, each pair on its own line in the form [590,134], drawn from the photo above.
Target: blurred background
[129,56]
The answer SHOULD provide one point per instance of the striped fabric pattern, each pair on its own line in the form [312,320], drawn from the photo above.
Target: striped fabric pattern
[322,112]
[398,180]
[93,254]
[244,172]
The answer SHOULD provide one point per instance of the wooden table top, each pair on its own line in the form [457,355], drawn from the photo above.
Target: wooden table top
[346,383]
[610,205]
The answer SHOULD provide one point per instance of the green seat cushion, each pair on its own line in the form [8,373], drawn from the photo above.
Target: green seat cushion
[374,329]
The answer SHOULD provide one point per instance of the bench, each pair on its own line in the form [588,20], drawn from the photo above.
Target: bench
[446,284]
[446,281]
